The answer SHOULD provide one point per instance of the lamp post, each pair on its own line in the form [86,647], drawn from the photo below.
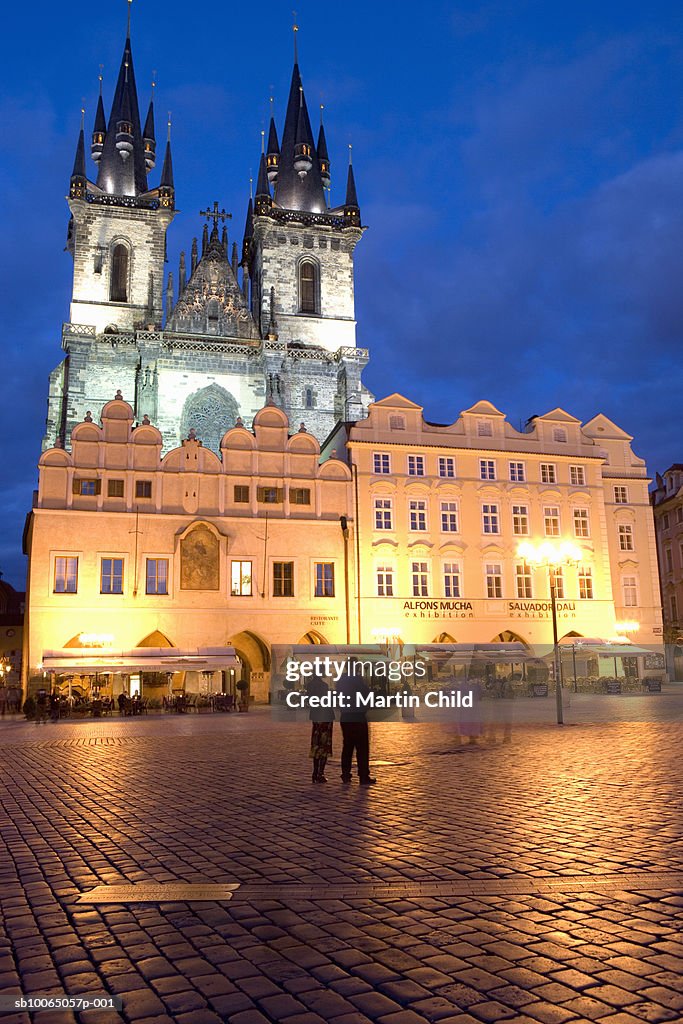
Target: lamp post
[344,524]
[554,556]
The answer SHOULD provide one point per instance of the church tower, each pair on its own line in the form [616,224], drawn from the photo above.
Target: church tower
[118,228]
[117,237]
[298,252]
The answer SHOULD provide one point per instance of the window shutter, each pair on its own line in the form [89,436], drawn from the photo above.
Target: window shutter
[98,487]
[76,486]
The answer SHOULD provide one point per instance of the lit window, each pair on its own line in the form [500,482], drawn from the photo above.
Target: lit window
[625,537]
[523,580]
[520,520]
[416,465]
[451,579]
[111,576]
[240,576]
[157,576]
[585,583]
[420,579]
[581,522]
[577,476]
[621,495]
[418,515]
[308,287]
[381,463]
[630,585]
[548,473]
[551,521]
[557,581]
[66,574]
[487,469]
[143,489]
[517,474]
[449,517]
[324,579]
[490,520]
[283,579]
[494,580]
[446,466]
[385,581]
[383,514]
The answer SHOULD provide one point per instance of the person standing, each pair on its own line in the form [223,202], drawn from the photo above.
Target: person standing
[322,720]
[354,725]
[3,699]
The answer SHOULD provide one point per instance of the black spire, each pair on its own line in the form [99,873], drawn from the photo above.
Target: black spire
[273,153]
[263,201]
[78,177]
[166,188]
[248,231]
[149,138]
[323,155]
[293,190]
[119,175]
[351,207]
[99,129]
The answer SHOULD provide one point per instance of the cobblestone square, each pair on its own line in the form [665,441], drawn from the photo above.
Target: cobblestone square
[538,881]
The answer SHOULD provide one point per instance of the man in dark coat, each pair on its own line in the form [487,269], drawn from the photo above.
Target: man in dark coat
[354,726]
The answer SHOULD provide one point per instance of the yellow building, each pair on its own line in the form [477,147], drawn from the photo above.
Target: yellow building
[443,509]
[129,551]
[132,553]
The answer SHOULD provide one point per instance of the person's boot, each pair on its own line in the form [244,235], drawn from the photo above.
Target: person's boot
[316,770]
[321,770]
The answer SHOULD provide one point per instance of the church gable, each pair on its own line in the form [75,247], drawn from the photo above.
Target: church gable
[212,302]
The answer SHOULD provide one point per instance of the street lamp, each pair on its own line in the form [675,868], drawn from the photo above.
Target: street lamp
[554,556]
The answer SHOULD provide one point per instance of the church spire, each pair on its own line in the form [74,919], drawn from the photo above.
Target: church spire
[298,186]
[323,155]
[351,208]
[166,188]
[99,128]
[122,170]
[78,183]
[273,153]
[148,137]
[263,202]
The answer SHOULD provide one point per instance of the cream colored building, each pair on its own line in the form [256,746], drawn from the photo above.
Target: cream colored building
[442,510]
[129,550]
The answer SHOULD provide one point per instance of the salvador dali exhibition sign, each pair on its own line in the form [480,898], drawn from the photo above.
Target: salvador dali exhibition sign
[463,609]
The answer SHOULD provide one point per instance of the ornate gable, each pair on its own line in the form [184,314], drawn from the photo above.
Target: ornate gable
[212,302]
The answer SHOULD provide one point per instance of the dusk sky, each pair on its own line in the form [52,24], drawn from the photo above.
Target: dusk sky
[519,167]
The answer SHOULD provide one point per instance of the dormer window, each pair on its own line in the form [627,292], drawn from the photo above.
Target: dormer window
[309,287]
[118,285]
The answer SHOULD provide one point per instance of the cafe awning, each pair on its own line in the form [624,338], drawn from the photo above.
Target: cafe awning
[88,661]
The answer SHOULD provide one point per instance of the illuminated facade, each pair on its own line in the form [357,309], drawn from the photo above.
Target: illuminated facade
[667,504]
[128,549]
[221,341]
[443,509]
[131,548]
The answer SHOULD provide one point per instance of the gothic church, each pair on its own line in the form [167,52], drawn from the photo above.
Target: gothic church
[284,333]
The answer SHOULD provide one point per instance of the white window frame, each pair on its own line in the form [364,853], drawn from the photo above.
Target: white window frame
[384,580]
[419,575]
[517,472]
[551,521]
[487,469]
[629,589]
[490,516]
[451,575]
[241,562]
[493,577]
[620,494]
[548,473]
[417,508]
[626,538]
[524,581]
[577,476]
[416,465]
[450,518]
[581,519]
[383,461]
[520,518]
[66,574]
[446,463]
[384,513]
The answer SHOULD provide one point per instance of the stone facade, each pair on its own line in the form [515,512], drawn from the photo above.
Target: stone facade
[667,504]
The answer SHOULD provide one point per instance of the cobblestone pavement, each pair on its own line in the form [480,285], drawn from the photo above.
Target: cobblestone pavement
[539,881]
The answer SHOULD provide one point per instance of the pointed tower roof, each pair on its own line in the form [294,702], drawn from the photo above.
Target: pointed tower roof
[100,119]
[148,133]
[262,186]
[249,223]
[291,191]
[322,144]
[167,169]
[79,159]
[273,144]
[351,195]
[117,176]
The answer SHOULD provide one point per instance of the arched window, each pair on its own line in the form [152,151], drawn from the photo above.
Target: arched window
[309,398]
[308,287]
[118,286]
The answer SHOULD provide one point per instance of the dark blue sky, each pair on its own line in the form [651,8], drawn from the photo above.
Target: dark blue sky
[519,164]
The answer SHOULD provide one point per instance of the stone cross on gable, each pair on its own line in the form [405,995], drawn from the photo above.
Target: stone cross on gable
[215,214]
